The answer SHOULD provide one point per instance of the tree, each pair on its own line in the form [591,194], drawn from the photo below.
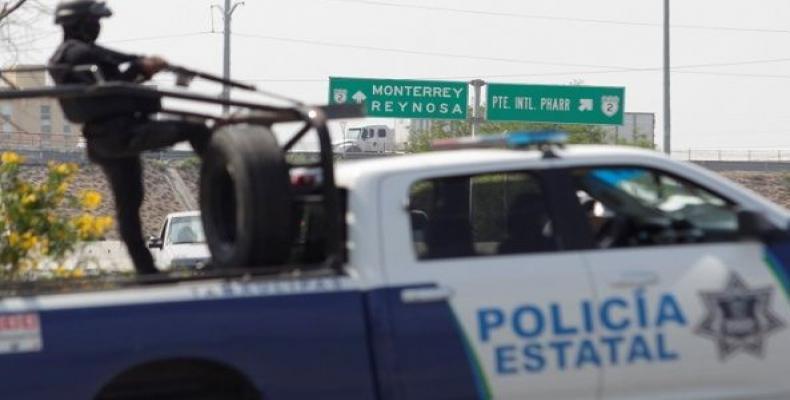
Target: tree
[448,129]
[9,7]
[17,19]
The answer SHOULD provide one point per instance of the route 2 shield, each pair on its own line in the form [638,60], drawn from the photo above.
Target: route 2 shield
[610,105]
[340,96]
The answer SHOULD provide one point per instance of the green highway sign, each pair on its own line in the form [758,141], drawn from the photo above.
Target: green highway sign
[555,104]
[396,98]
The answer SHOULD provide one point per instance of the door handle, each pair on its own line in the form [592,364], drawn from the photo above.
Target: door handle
[636,279]
[425,295]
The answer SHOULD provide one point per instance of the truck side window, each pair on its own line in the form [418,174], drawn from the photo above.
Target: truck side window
[482,215]
[630,207]
[382,133]
[310,241]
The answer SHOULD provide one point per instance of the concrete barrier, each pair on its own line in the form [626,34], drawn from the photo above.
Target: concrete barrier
[107,255]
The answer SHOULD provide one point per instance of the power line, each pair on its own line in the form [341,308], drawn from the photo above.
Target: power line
[136,39]
[602,69]
[519,75]
[557,18]
[436,54]
[609,68]
[158,37]
[418,52]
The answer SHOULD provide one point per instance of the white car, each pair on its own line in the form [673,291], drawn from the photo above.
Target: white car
[181,242]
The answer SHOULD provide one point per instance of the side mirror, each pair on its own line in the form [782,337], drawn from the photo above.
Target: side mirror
[154,242]
[753,224]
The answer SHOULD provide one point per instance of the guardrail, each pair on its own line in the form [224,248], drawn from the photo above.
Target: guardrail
[732,155]
[41,141]
[41,157]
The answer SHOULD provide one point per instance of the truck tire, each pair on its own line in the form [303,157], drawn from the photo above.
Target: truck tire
[246,199]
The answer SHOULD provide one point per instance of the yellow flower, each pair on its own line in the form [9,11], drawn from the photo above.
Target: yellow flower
[9,157]
[61,169]
[29,199]
[101,225]
[84,224]
[13,239]
[29,240]
[62,188]
[90,199]
[60,271]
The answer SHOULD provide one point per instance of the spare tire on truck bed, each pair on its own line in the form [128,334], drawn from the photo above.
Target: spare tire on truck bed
[246,199]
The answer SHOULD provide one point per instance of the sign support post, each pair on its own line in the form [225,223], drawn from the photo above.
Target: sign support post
[667,115]
[477,84]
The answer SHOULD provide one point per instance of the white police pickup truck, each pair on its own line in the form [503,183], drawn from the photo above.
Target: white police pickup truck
[552,273]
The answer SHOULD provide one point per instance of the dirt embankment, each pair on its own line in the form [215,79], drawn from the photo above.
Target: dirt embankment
[774,186]
[159,196]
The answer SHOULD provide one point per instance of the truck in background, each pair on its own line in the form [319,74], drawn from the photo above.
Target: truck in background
[370,139]
[181,242]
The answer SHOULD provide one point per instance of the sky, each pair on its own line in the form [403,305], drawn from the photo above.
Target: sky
[731,60]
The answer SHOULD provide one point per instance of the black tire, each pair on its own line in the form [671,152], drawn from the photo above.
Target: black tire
[246,199]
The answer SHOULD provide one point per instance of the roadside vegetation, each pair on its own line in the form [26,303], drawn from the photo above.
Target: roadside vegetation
[42,223]
[578,134]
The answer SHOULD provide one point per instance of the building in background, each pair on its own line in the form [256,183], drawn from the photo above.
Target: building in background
[637,128]
[35,124]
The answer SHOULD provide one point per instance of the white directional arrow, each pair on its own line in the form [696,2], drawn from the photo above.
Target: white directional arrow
[585,104]
[359,97]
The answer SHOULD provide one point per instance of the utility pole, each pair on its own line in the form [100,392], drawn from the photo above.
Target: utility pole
[667,115]
[227,16]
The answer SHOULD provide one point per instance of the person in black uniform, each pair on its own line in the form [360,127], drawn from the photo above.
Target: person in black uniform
[116,128]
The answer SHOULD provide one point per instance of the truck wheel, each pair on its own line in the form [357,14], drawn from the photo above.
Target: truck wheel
[245,198]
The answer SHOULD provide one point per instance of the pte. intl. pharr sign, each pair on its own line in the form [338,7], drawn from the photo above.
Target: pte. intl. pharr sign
[562,104]
[397,98]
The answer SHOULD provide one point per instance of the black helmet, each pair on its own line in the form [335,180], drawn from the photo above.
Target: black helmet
[69,12]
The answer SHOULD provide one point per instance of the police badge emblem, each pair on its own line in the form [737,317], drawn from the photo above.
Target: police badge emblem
[739,318]
[610,105]
[340,96]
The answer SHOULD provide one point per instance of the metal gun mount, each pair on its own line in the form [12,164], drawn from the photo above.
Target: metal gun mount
[315,118]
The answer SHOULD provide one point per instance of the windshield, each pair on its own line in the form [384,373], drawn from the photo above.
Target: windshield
[186,230]
[645,193]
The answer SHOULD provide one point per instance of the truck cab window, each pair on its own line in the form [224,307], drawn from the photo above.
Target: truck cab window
[482,215]
[310,242]
[382,133]
[630,207]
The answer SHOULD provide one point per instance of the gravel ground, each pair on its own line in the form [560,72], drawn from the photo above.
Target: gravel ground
[159,197]
[774,186]
[161,200]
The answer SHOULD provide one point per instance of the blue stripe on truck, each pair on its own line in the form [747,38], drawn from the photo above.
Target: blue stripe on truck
[304,346]
[298,346]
